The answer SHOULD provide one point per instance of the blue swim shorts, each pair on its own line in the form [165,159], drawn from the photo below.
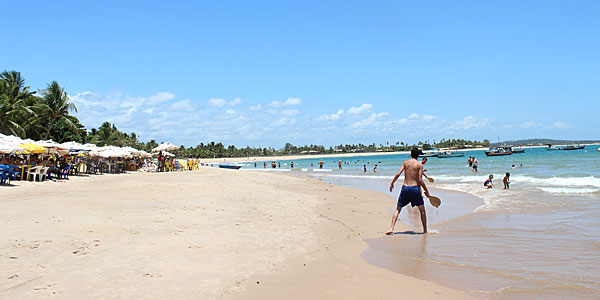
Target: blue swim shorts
[410,194]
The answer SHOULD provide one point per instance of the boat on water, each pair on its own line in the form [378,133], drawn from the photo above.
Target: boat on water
[567,147]
[499,151]
[434,153]
[229,167]
[448,154]
[518,150]
[573,147]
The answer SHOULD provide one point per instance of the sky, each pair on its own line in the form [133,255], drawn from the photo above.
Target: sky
[263,73]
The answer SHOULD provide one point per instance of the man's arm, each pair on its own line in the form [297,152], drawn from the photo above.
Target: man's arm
[396,177]
[421,182]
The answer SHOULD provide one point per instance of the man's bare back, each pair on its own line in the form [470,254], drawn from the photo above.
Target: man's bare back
[411,188]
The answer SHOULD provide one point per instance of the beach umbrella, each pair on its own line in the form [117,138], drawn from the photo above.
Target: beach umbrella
[165,147]
[53,147]
[133,151]
[7,148]
[32,148]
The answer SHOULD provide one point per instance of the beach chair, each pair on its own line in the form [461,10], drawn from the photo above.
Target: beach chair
[64,173]
[44,173]
[4,174]
[34,171]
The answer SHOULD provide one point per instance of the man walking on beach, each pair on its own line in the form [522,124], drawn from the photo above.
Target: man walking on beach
[411,188]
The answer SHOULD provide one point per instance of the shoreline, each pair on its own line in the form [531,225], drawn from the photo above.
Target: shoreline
[143,234]
[331,155]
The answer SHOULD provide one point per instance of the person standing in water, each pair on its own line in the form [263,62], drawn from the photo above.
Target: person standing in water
[506,181]
[411,188]
[340,164]
[321,164]
[475,164]
[365,168]
[292,165]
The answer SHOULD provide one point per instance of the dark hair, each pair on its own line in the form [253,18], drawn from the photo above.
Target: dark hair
[507,174]
[415,152]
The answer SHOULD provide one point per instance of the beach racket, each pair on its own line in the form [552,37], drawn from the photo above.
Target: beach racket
[430,179]
[435,201]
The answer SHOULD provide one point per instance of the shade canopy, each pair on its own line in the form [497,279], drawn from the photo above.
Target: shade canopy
[165,147]
[32,148]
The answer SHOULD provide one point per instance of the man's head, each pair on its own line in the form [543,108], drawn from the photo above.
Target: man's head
[424,160]
[415,152]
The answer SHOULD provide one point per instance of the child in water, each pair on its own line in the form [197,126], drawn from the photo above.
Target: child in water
[488,182]
[506,181]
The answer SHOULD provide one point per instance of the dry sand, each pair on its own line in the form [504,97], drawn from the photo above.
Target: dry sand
[207,234]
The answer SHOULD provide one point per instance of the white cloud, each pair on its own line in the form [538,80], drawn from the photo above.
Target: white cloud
[284,121]
[371,120]
[182,105]
[366,107]
[561,125]
[332,117]
[276,104]
[184,122]
[235,102]
[293,101]
[256,107]
[414,116]
[217,102]
[468,122]
[290,112]
[528,124]
[159,98]
[288,102]
[429,117]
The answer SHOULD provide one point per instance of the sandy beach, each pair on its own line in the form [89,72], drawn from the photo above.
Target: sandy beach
[207,234]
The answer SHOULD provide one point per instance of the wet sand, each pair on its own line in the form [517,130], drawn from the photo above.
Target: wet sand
[207,234]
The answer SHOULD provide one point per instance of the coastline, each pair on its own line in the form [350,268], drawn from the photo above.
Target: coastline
[190,234]
[331,155]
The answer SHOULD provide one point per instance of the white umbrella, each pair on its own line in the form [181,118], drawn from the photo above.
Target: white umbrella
[52,147]
[8,148]
[145,154]
[132,150]
[165,147]
[168,154]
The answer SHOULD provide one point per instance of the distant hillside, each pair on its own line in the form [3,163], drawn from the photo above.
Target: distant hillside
[536,142]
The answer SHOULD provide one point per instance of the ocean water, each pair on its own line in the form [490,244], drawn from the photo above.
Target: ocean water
[540,239]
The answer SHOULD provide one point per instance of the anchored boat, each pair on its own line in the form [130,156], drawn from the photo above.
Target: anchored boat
[573,147]
[450,154]
[229,167]
[500,151]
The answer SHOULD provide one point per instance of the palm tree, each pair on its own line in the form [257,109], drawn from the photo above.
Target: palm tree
[59,106]
[105,135]
[13,109]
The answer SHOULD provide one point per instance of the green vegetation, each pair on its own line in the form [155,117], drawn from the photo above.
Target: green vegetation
[25,114]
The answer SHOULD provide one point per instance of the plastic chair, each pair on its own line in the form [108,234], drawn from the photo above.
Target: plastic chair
[64,173]
[4,174]
[34,172]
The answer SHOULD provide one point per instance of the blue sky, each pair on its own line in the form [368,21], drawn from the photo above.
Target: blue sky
[265,73]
